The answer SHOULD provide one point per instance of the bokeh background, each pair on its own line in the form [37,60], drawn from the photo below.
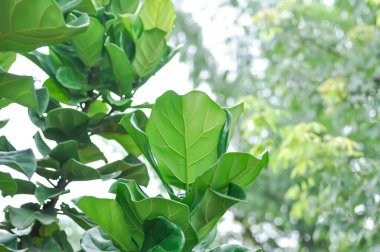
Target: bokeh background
[309,74]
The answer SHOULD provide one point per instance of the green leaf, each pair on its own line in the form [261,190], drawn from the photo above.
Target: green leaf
[9,240]
[134,26]
[7,59]
[223,138]
[43,100]
[158,14]
[236,112]
[162,235]
[22,32]
[44,193]
[3,123]
[19,89]
[124,6]
[130,123]
[230,248]
[183,133]
[5,145]
[70,79]
[43,61]
[97,107]
[79,5]
[122,69]
[57,92]
[138,208]
[89,44]
[65,151]
[96,240]
[79,218]
[150,49]
[25,186]
[213,206]
[22,161]
[7,185]
[42,147]
[24,217]
[73,170]
[110,217]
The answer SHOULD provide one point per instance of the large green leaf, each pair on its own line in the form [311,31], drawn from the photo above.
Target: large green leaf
[96,240]
[110,217]
[130,123]
[138,208]
[89,44]
[23,217]
[7,59]
[162,235]
[26,25]
[158,14]
[183,133]
[122,69]
[19,89]
[150,49]
[22,161]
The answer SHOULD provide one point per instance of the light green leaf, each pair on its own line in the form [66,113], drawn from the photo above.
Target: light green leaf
[236,112]
[7,59]
[57,92]
[85,6]
[158,14]
[21,32]
[162,235]
[22,161]
[110,217]
[124,6]
[89,44]
[150,49]
[96,240]
[97,107]
[19,89]
[122,69]
[134,26]
[183,133]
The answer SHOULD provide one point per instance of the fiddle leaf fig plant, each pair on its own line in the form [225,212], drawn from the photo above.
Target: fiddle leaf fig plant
[97,54]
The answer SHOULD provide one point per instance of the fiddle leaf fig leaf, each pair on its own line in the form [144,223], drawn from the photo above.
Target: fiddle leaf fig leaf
[70,79]
[124,6]
[7,185]
[158,14]
[22,161]
[23,217]
[235,112]
[19,89]
[96,240]
[150,49]
[183,133]
[162,235]
[65,151]
[89,44]
[42,147]
[8,240]
[79,218]
[22,32]
[79,5]
[134,26]
[110,217]
[5,145]
[3,123]
[7,59]
[122,68]
[44,193]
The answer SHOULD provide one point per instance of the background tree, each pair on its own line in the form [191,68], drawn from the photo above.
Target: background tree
[310,69]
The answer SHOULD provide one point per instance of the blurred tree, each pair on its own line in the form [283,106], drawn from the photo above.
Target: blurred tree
[312,75]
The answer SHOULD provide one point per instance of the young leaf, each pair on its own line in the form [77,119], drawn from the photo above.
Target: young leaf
[89,45]
[162,235]
[183,133]
[110,217]
[158,14]
[150,49]
[123,6]
[22,32]
[236,112]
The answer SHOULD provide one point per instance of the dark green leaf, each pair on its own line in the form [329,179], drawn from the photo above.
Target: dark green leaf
[9,240]
[65,151]
[44,193]
[5,145]
[42,147]
[81,219]
[24,217]
[3,123]
[22,161]
[162,235]
[7,185]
